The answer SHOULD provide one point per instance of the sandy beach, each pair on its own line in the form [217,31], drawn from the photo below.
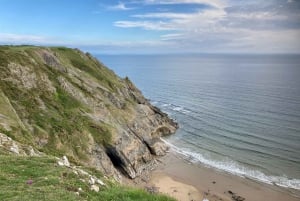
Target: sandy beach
[189,182]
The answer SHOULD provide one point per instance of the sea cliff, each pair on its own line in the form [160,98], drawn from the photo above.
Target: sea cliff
[59,101]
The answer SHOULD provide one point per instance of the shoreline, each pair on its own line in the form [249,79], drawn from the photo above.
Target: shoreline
[185,181]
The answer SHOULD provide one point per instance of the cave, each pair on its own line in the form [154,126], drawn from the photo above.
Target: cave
[115,159]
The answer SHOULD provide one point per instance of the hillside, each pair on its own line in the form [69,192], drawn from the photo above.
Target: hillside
[59,101]
[24,178]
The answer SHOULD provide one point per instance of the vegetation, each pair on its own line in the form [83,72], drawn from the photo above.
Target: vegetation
[43,105]
[62,118]
[39,178]
[89,65]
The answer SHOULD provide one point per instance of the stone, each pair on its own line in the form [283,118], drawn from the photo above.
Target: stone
[63,162]
[91,181]
[82,172]
[157,147]
[60,163]
[98,181]
[14,148]
[95,188]
[66,161]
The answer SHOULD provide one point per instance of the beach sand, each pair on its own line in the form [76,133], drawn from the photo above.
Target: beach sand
[184,181]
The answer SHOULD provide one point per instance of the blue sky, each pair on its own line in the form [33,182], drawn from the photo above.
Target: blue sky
[154,26]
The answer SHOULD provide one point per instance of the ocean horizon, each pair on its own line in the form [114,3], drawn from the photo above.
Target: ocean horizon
[237,113]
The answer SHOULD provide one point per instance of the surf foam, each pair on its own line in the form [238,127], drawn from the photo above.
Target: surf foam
[237,169]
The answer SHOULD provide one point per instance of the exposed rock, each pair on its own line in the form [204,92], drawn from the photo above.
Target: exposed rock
[95,188]
[73,105]
[131,154]
[14,147]
[66,85]
[22,76]
[98,181]
[49,58]
[102,162]
[157,147]
[84,176]
[91,181]
[82,172]
[63,162]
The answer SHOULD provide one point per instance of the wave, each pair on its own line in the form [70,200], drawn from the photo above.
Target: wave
[237,169]
[173,107]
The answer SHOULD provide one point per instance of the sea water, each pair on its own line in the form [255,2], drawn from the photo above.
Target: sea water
[237,113]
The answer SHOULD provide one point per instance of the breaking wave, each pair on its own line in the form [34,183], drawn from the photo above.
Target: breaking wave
[235,168]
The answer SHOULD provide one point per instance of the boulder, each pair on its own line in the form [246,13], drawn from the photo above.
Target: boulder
[157,147]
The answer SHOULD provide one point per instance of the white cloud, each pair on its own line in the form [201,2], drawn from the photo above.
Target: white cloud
[206,19]
[18,38]
[119,6]
[147,25]
[214,3]
[260,16]
[174,36]
[163,15]
[229,26]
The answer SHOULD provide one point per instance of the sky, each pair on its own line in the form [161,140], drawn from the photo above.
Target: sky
[154,26]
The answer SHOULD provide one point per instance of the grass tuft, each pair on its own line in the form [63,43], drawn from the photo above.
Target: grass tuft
[39,178]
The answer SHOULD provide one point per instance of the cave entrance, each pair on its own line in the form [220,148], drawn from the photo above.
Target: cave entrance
[115,159]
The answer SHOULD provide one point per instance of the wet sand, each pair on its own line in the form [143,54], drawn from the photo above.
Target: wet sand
[186,182]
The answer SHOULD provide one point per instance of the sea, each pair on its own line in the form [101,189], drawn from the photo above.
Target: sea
[237,113]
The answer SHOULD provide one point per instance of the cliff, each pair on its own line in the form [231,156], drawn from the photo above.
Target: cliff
[61,101]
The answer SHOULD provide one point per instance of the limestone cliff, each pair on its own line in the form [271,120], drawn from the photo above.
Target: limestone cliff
[62,101]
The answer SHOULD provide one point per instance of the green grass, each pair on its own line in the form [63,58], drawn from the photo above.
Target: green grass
[64,121]
[88,65]
[52,182]
[61,125]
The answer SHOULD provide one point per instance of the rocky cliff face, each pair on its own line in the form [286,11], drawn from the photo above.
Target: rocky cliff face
[62,101]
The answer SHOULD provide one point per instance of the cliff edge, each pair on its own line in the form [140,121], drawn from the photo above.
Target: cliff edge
[61,101]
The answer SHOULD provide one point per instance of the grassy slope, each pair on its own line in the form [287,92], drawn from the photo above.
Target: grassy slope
[62,123]
[52,182]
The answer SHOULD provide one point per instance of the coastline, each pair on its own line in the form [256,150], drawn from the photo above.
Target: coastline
[185,181]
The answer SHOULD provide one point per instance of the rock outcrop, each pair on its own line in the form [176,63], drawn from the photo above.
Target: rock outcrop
[11,146]
[65,102]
